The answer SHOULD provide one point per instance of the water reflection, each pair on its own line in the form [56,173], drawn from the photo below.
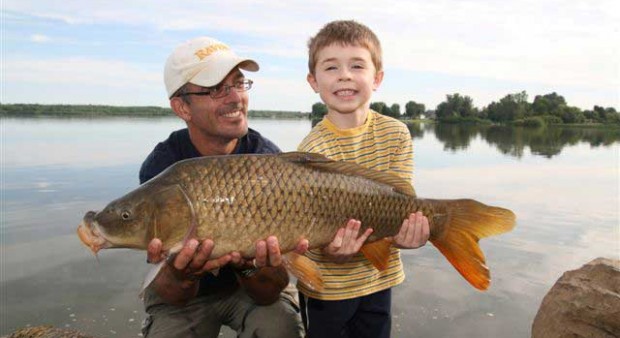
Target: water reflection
[513,141]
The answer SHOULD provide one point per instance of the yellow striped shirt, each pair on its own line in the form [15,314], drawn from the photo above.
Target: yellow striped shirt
[381,143]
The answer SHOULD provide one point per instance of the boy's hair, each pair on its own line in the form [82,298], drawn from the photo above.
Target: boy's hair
[347,33]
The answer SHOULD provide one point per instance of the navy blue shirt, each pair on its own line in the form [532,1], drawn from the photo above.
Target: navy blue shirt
[179,147]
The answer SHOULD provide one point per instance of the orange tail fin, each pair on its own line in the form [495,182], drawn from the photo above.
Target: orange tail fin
[466,221]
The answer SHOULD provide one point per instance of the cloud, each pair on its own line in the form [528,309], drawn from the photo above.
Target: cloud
[563,46]
[40,38]
[110,73]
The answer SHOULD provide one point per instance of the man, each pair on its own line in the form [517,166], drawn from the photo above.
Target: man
[194,294]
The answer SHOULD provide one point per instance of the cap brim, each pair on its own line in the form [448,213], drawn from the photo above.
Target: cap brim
[211,76]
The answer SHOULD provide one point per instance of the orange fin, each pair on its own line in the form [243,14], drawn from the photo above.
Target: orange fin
[464,224]
[378,253]
[304,269]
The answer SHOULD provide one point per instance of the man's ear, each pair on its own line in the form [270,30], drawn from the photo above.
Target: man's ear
[378,80]
[312,81]
[180,108]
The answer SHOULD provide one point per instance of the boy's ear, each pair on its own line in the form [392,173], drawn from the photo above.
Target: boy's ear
[378,80]
[180,109]
[312,81]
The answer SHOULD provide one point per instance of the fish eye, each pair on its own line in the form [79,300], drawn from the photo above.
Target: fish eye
[125,215]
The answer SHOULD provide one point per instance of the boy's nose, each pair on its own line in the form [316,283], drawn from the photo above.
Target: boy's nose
[345,75]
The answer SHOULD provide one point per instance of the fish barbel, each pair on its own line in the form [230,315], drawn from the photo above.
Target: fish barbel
[237,200]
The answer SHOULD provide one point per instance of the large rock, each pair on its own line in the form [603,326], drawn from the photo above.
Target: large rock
[582,303]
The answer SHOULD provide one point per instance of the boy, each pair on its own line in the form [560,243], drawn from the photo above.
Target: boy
[345,67]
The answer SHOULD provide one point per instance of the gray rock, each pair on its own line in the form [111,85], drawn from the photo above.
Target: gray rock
[582,303]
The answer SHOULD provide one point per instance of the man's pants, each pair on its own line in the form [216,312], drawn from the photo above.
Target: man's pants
[204,316]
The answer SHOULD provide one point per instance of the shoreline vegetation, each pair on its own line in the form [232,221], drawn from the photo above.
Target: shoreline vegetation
[512,110]
[65,110]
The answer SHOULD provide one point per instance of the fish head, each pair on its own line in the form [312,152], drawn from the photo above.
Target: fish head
[132,221]
[123,223]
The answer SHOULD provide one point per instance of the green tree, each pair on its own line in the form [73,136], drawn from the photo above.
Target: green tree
[456,106]
[378,107]
[414,110]
[395,110]
[510,108]
[572,115]
[549,104]
[319,110]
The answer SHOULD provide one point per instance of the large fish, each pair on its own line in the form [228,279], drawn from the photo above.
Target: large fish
[237,200]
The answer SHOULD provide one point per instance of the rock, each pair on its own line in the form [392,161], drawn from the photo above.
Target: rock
[46,331]
[582,303]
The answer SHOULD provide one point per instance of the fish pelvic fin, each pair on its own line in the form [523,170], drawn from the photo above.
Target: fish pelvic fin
[466,222]
[378,253]
[304,269]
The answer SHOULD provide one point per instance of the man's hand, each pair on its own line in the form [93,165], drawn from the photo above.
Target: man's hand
[192,261]
[413,233]
[347,242]
[265,277]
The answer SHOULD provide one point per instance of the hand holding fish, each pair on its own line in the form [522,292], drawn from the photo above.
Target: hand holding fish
[413,233]
[347,242]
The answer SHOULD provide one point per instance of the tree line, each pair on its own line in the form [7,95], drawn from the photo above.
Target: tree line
[512,109]
[33,110]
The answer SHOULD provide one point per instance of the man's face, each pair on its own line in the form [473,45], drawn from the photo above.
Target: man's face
[224,117]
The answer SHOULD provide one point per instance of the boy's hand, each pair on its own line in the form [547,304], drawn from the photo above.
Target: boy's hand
[413,233]
[346,243]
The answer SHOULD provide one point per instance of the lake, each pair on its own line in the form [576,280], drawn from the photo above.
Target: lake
[562,183]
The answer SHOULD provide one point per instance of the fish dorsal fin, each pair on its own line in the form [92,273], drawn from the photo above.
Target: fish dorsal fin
[323,163]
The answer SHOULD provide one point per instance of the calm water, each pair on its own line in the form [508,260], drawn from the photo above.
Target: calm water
[561,183]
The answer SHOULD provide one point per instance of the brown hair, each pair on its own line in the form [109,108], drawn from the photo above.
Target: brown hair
[347,33]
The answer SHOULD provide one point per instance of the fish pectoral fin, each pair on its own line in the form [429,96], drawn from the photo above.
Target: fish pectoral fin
[304,269]
[378,253]
[150,277]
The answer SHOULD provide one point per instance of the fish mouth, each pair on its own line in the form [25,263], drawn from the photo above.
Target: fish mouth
[89,234]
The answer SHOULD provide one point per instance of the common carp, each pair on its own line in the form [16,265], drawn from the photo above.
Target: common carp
[236,200]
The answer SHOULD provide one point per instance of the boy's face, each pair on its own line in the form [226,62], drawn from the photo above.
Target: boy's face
[345,78]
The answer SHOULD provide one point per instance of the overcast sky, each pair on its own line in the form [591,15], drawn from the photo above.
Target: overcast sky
[113,52]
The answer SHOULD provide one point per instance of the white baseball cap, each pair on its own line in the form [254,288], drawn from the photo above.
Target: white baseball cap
[202,61]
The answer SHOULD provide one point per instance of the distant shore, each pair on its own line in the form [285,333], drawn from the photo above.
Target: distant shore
[63,110]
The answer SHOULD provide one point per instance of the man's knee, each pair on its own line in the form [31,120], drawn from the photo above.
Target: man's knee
[281,319]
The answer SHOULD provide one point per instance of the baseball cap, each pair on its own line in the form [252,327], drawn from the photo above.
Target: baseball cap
[203,61]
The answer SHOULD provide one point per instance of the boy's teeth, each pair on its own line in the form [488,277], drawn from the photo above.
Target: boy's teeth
[345,92]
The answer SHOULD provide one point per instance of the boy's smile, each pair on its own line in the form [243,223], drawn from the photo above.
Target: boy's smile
[345,78]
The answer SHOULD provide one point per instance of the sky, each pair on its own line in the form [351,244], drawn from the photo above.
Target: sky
[113,52]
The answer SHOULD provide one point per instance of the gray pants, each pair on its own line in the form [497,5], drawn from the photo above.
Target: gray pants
[204,316]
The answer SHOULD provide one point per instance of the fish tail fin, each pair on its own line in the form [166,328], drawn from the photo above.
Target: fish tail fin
[304,269]
[378,253]
[459,230]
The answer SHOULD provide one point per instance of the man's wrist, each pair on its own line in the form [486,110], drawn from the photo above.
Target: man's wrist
[247,272]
